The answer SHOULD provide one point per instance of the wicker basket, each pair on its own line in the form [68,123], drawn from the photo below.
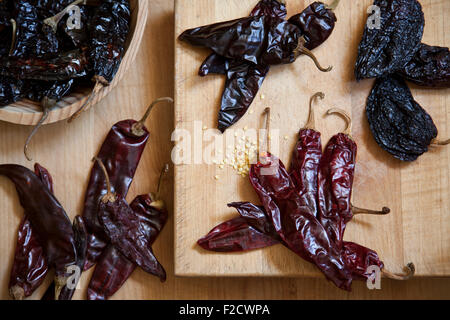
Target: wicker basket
[27,112]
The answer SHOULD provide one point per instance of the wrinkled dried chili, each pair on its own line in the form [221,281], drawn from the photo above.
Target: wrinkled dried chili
[398,123]
[316,22]
[48,220]
[429,67]
[120,153]
[30,262]
[387,48]
[109,28]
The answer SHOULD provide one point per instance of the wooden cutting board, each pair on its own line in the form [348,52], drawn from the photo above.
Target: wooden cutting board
[417,230]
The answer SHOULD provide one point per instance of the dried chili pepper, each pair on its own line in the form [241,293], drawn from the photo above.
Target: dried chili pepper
[48,220]
[388,48]
[11,90]
[216,64]
[67,291]
[398,123]
[109,31]
[32,37]
[316,22]
[260,40]
[127,232]
[121,152]
[242,85]
[30,262]
[113,268]
[72,64]
[429,67]
[48,93]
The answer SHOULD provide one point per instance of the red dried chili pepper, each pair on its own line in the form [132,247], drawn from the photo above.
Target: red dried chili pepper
[30,262]
[127,231]
[113,268]
[48,219]
[335,183]
[121,152]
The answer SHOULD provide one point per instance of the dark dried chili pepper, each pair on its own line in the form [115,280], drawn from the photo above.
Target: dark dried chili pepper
[121,152]
[67,291]
[429,67]
[398,123]
[30,262]
[387,48]
[243,83]
[113,268]
[72,64]
[48,220]
[32,37]
[48,93]
[109,32]
[316,22]
[11,90]
[127,231]
[216,64]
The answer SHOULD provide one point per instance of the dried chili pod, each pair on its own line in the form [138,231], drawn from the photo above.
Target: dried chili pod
[430,67]
[242,85]
[113,268]
[398,123]
[11,90]
[235,235]
[121,152]
[47,218]
[216,64]
[32,38]
[72,64]
[30,262]
[68,290]
[48,94]
[387,48]
[316,22]
[110,273]
[127,232]
[300,230]
[109,26]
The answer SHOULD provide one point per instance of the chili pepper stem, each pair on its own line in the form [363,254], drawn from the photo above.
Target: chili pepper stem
[302,50]
[53,21]
[47,104]
[60,282]
[109,196]
[311,124]
[138,127]
[17,293]
[333,5]
[410,270]
[156,201]
[13,41]
[342,113]
[357,210]
[437,142]
[267,113]
[97,88]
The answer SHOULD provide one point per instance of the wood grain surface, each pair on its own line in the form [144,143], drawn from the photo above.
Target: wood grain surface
[67,150]
[418,228]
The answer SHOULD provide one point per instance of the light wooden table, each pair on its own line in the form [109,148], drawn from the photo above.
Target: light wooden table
[66,151]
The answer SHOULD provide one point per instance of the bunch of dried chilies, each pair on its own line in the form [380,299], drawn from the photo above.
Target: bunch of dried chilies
[46,52]
[394,53]
[306,208]
[115,235]
[244,49]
